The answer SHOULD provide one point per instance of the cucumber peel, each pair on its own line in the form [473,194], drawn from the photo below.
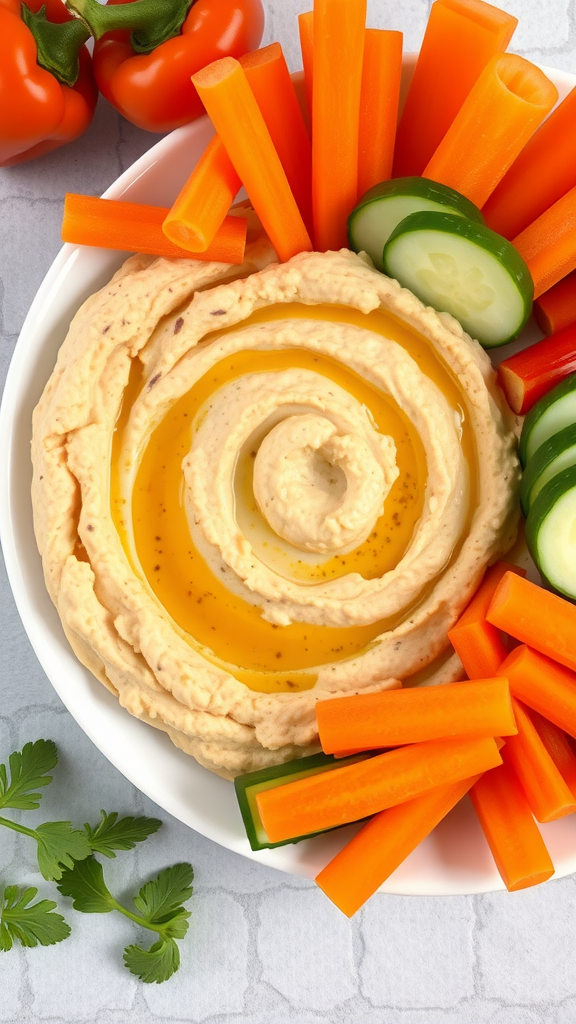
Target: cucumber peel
[552,457]
[555,411]
[551,532]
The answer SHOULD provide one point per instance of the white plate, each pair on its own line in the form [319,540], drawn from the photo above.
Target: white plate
[453,860]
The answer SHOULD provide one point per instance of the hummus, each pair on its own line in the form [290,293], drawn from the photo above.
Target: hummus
[258,488]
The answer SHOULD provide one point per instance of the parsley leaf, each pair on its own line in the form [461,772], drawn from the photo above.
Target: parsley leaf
[59,845]
[159,900]
[112,834]
[157,964]
[84,883]
[28,771]
[30,924]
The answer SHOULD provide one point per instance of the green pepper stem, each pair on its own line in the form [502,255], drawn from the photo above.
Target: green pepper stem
[151,22]
[58,45]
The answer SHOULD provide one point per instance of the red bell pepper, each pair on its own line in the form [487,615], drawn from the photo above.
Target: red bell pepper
[529,374]
[147,50]
[47,89]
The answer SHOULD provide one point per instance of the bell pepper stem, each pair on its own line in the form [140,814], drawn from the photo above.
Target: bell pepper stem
[151,22]
[57,44]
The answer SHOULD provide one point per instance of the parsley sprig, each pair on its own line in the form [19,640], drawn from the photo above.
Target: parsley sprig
[67,855]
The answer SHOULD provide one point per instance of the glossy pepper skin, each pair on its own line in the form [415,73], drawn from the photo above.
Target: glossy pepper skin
[37,112]
[154,90]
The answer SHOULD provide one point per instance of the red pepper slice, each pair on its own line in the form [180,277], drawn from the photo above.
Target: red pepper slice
[529,374]
[38,111]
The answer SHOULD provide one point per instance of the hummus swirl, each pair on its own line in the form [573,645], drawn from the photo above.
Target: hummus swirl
[252,491]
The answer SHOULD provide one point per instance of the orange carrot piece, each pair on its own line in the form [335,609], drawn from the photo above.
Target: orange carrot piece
[545,789]
[556,308]
[230,103]
[461,37]
[204,201]
[381,73]
[361,867]
[338,52]
[548,245]
[558,746]
[477,642]
[359,790]
[535,617]
[133,227]
[512,834]
[391,718]
[503,109]
[306,33]
[542,173]
[269,79]
[544,685]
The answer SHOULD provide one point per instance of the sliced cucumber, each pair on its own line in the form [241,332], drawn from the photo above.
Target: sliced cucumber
[382,208]
[463,268]
[552,413]
[249,785]
[551,532]
[556,454]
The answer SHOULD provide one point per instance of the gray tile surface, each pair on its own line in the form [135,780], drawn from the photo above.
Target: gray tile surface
[263,948]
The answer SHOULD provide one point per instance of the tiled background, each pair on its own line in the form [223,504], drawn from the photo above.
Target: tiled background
[263,947]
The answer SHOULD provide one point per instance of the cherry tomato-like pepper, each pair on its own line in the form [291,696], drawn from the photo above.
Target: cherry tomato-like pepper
[147,50]
[47,89]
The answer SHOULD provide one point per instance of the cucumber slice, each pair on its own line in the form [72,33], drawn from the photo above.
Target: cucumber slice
[463,268]
[382,207]
[552,413]
[249,785]
[556,454]
[551,532]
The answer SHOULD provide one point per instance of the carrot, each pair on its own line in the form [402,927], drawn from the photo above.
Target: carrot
[364,788]
[528,375]
[544,787]
[306,32]
[381,73]
[556,308]
[558,746]
[269,80]
[357,871]
[541,174]
[133,227]
[544,685]
[548,245]
[501,112]
[338,52]
[512,834]
[477,642]
[461,36]
[368,721]
[535,617]
[204,201]
[230,103]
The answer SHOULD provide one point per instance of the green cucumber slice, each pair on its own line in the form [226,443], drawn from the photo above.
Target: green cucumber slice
[552,413]
[551,532]
[249,785]
[382,207]
[463,268]
[556,454]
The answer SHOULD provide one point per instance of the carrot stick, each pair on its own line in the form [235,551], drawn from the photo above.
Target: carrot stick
[369,721]
[544,685]
[558,746]
[204,201]
[133,227]
[338,52]
[512,834]
[269,79]
[548,245]
[461,36]
[306,32]
[381,73]
[545,789]
[359,790]
[528,375]
[542,173]
[556,308]
[535,617]
[503,109]
[230,103]
[477,642]
[357,871]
